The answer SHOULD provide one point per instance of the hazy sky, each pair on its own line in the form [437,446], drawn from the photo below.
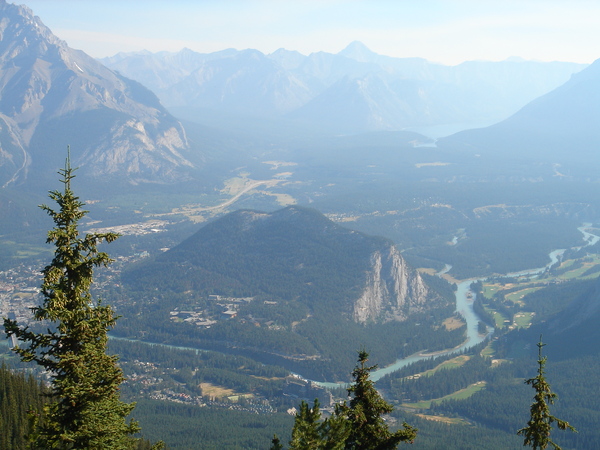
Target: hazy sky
[446,31]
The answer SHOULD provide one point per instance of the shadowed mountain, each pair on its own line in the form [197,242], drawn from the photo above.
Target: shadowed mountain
[574,331]
[52,96]
[560,127]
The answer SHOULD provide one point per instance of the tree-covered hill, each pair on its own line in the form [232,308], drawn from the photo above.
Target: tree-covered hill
[289,287]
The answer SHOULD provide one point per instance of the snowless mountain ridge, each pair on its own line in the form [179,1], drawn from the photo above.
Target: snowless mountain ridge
[352,91]
[52,96]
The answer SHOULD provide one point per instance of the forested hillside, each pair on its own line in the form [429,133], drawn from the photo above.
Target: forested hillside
[290,288]
[19,393]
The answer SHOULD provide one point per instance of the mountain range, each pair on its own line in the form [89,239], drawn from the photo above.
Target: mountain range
[52,96]
[352,91]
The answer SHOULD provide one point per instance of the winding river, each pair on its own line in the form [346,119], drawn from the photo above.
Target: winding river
[464,306]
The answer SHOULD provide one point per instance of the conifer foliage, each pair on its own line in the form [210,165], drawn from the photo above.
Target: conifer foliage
[368,431]
[85,411]
[310,432]
[358,425]
[19,394]
[537,432]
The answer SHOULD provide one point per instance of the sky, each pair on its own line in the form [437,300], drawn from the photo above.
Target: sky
[442,31]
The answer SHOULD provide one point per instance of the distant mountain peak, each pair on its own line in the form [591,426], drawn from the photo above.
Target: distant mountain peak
[515,59]
[359,52]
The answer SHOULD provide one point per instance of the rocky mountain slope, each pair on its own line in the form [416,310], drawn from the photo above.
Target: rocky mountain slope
[52,96]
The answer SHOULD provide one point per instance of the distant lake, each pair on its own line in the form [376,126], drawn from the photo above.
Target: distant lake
[440,131]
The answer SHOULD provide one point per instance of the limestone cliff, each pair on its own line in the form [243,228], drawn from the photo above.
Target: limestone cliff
[392,289]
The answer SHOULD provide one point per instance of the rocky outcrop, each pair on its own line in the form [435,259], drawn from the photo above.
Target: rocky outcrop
[14,159]
[392,289]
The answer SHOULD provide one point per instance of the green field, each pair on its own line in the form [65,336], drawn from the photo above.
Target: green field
[449,364]
[498,318]
[520,290]
[488,350]
[578,273]
[490,289]
[458,395]
[517,297]
[523,319]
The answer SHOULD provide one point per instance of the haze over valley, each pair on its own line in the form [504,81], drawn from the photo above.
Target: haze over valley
[281,210]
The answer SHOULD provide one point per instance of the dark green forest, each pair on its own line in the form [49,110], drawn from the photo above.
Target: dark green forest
[20,392]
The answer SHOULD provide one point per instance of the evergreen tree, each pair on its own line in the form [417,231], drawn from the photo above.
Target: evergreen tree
[18,394]
[305,434]
[358,425]
[85,411]
[310,433]
[276,443]
[335,430]
[537,431]
[368,431]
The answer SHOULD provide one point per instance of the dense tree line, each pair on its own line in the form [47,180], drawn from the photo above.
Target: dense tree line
[493,246]
[190,368]
[441,286]
[504,404]
[187,427]
[148,319]
[19,393]
[555,298]
[174,357]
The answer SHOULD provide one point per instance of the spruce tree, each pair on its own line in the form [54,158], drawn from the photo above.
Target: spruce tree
[358,425]
[305,434]
[537,432]
[18,395]
[368,431]
[85,411]
[276,443]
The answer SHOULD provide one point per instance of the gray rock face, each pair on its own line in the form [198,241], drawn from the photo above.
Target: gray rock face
[48,90]
[392,290]
[14,159]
